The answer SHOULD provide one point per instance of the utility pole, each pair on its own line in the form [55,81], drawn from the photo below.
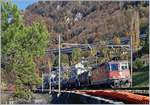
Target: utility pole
[120,4]
[49,65]
[50,89]
[131,47]
[59,68]
[42,81]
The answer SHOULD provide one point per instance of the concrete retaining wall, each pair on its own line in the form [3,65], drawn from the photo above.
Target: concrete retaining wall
[76,98]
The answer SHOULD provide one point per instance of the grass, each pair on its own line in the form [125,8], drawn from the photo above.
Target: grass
[141,77]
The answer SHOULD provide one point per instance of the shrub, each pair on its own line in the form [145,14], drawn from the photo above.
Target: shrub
[138,64]
[22,93]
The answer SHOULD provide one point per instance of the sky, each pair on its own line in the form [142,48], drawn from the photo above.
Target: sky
[22,4]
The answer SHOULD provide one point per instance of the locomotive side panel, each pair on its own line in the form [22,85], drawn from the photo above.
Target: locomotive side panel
[99,75]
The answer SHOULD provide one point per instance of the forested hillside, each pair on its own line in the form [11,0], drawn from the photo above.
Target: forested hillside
[87,21]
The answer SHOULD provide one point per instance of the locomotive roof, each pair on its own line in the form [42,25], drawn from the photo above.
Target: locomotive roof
[98,65]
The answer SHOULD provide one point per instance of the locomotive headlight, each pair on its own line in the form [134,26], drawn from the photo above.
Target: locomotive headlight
[120,73]
[113,77]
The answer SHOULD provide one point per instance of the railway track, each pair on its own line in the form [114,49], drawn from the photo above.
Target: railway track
[136,90]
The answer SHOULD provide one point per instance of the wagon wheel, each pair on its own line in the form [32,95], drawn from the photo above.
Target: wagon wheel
[122,84]
[114,85]
[127,84]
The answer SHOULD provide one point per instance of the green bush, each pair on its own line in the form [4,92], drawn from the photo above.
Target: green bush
[138,64]
[23,93]
[20,45]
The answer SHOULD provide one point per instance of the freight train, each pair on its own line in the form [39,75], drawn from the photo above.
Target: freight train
[114,74]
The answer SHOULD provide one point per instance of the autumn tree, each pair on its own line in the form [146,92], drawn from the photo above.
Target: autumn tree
[116,40]
[93,52]
[135,30]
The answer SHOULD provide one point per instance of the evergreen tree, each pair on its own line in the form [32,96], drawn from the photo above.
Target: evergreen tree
[20,45]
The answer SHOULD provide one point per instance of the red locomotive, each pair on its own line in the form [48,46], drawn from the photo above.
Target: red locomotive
[113,74]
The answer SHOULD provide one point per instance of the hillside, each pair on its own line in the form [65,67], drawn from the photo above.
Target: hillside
[87,21]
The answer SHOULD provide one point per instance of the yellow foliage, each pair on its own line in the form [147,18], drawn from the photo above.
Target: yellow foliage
[127,33]
[93,51]
[49,63]
[116,40]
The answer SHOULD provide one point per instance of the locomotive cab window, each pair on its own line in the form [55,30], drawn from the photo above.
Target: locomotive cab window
[107,68]
[124,66]
[114,67]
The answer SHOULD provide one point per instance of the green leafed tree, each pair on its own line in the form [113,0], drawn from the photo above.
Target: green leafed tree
[76,55]
[20,45]
[138,64]
[63,59]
